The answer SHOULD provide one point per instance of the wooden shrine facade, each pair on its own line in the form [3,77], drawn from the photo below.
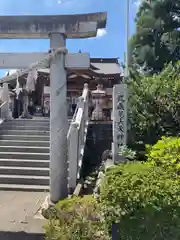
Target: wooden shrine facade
[104,71]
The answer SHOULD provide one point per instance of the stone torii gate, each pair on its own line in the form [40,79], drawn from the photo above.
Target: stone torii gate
[57,29]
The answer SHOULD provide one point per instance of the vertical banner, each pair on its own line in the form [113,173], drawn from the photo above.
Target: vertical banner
[120,99]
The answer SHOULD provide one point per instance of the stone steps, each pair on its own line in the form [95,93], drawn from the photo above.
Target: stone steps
[24,179]
[24,137]
[33,171]
[24,155]
[24,143]
[24,132]
[27,128]
[26,122]
[24,163]
[24,188]
[24,149]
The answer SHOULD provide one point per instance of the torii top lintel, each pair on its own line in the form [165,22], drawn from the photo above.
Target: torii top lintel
[73,26]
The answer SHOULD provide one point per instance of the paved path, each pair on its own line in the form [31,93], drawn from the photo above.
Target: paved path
[19,218]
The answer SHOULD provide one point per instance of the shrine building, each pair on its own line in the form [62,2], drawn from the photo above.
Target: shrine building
[105,72]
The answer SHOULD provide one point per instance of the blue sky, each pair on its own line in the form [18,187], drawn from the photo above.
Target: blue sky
[109,43]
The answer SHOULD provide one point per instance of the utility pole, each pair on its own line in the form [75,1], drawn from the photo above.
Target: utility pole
[127,42]
[120,98]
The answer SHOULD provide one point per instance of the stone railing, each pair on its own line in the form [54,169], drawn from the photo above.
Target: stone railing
[76,138]
[4,98]
[3,110]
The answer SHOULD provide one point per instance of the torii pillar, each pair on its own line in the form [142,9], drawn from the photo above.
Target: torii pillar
[58,122]
[57,28]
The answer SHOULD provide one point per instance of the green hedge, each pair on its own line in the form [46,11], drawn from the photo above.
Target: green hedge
[75,219]
[166,153]
[143,200]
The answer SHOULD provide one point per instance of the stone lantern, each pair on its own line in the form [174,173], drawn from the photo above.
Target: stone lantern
[98,99]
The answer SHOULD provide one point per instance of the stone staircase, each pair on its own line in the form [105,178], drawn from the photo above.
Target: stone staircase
[24,155]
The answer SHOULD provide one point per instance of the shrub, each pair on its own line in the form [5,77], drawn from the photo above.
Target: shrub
[75,219]
[166,152]
[127,153]
[154,106]
[143,200]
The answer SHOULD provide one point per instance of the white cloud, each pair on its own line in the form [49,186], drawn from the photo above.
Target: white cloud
[63,1]
[53,3]
[137,3]
[101,32]
[72,6]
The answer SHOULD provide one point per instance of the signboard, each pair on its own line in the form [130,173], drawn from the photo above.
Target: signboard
[119,118]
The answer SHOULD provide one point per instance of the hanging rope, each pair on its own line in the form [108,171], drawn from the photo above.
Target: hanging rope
[17,89]
[31,80]
[39,64]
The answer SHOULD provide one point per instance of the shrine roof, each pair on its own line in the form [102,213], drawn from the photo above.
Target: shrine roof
[104,60]
[107,68]
[99,66]
[106,65]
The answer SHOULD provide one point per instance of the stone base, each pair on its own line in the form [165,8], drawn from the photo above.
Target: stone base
[26,115]
[47,208]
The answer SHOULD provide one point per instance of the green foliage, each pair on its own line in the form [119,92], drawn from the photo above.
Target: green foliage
[166,153]
[157,37]
[75,219]
[143,200]
[154,106]
[127,153]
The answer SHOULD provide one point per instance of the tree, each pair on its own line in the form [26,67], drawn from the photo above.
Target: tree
[154,106]
[157,37]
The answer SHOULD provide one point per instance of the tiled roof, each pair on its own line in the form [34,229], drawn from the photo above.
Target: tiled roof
[101,66]
[107,68]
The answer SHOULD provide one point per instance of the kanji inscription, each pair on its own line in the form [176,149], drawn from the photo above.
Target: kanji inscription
[119,117]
